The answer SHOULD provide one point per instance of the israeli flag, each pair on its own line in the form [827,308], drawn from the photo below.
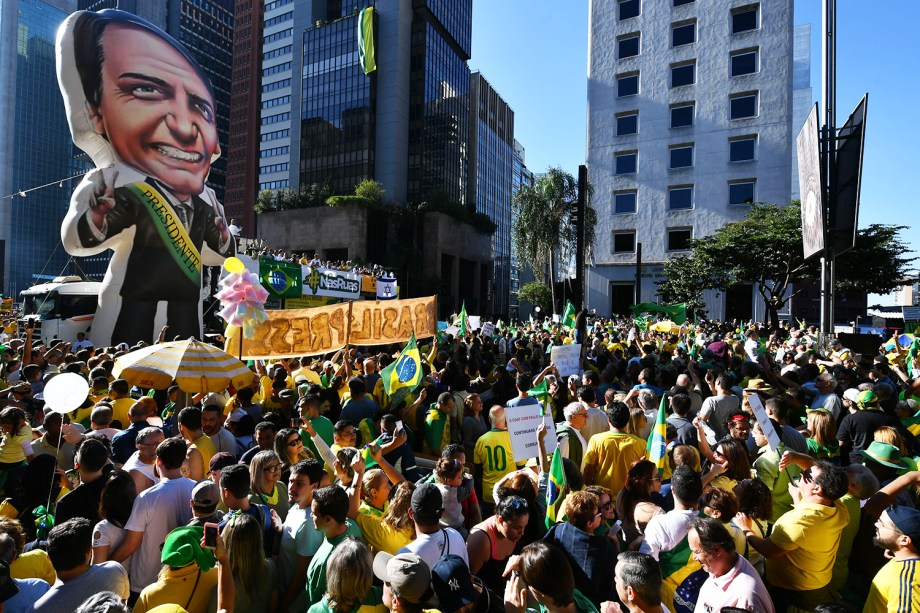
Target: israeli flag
[386,288]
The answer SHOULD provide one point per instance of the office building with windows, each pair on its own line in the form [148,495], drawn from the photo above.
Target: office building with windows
[690,121]
[35,145]
[491,161]
[205,28]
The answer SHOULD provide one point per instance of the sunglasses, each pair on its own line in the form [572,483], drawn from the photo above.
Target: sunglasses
[293,442]
[273,469]
[607,506]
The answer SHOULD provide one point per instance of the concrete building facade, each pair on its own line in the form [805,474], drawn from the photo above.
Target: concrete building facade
[690,121]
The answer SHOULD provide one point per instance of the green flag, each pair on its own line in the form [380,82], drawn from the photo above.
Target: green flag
[366,40]
[281,279]
[568,317]
[540,392]
[462,320]
[676,312]
[555,489]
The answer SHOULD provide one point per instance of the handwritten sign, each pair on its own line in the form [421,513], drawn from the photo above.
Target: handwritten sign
[765,426]
[522,426]
[305,332]
[566,359]
[488,329]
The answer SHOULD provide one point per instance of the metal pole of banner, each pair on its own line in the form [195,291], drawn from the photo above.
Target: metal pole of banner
[829,159]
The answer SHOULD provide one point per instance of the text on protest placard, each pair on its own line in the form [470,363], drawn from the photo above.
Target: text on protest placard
[765,426]
[522,426]
[566,359]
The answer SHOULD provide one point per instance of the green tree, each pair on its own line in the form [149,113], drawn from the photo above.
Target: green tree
[765,250]
[544,228]
[372,190]
[537,294]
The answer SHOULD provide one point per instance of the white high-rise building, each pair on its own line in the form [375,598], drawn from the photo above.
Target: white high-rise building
[690,120]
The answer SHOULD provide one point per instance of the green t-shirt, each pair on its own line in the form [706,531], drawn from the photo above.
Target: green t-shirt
[372,603]
[316,572]
[323,428]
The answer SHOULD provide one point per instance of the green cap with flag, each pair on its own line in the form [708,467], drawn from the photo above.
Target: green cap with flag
[404,371]
[657,448]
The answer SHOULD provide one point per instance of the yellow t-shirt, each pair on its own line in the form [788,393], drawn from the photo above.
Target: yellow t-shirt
[33,565]
[12,452]
[120,410]
[611,454]
[205,447]
[895,588]
[176,586]
[493,452]
[726,483]
[810,535]
[381,537]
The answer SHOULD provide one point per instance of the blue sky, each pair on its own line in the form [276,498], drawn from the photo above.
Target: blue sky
[534,53]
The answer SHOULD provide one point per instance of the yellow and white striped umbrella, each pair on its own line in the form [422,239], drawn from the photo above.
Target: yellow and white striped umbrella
[195,366]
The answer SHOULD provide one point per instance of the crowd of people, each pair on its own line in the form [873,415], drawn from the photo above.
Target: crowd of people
[259,250]
[789,483]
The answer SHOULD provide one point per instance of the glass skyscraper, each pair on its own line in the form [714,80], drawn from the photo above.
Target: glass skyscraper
[36,148]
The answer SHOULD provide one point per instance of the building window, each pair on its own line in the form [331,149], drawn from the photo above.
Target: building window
[626,163]
[683,74]
[624,202]
[743,106]
[680,198]
[683,33]
[741,192]
[682,2]
[742,149]
[681,156]
[628,123]
[624,242]
[628,85]
[628,46]
[682,115]
[629,9]
[744,62]
[745,19]
[679,239]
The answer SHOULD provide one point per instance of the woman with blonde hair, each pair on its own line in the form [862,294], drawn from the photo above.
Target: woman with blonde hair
[637,422]
[349,578]
[887,434]
[254,577]
[822,440]
[265,483]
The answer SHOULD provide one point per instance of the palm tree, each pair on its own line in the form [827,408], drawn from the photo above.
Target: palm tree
[543,223]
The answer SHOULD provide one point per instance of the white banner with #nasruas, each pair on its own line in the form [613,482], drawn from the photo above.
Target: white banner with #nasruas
[566,359]
[522,426]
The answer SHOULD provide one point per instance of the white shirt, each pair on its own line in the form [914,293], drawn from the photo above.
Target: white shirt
[157,511]
[596,423]
[665,531]
[430,547]
[134,463]
[740,587]
[750,349]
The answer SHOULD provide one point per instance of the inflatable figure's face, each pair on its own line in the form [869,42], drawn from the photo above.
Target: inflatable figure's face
[155,110]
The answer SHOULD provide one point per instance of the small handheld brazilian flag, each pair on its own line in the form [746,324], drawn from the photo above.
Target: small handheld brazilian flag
[657,448]
[555,489]
[404,371]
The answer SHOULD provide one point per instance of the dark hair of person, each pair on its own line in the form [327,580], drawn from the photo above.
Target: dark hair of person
[739,466]
[190,417]
[638,488]
[92,455]
[586,393]
[680,403]
[754,499]
[833,480]
[332,501]
[310,468]
[720,500]
[171,452]
[524,382]
[617,414]
[12,416]
[511,507]
[686,485]
[236,480]
[545,568]
[712,534]
[117,498]
[69,543]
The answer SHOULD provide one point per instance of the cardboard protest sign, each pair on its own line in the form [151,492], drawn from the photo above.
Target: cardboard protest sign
[304,332]
[566,359]
[488,329]
[125,85]
[522,426]
[761,414]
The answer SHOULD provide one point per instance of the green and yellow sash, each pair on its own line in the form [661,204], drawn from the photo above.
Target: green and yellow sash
[175,236]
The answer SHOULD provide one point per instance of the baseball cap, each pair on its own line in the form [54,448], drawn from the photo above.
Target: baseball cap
[286,393]
[452,582]
[301,379]
[236,415]
[205,494]
[427,503]
[221,460]
[408,575]
[851,394]
[908,522]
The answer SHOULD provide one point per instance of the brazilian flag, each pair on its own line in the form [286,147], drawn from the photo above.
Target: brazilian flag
[568,317]
[656,449]
[281,279]
[555,490]
[404,371]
